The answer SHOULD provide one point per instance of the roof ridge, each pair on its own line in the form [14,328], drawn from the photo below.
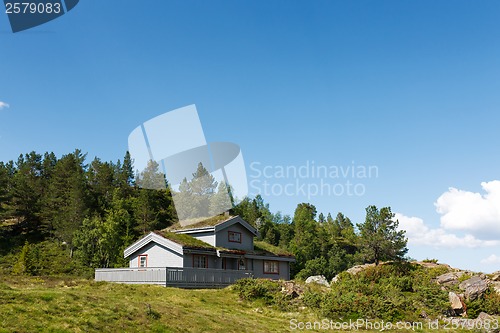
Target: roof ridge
[206,223]
[186,241]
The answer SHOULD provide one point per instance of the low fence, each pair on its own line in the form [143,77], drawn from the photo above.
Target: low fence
[182,277]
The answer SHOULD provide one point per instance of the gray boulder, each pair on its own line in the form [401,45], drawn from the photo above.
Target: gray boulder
[449,278]
[469,282]
[487,323]
[319,279]
[474,287]
[359,268]
[484,323]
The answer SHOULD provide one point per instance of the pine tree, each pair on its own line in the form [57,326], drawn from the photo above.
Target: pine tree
[304,245]
[27,189]
[101,182]
[151,177]
[66,202]
[380,237]
[4,189]
[126,174]
[220,201]
[202,188]
[183,200]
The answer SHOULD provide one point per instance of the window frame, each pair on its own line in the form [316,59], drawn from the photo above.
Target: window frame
[139,257]
[196,258]
[274,262]
[230,232]
[245,262]
[224,263]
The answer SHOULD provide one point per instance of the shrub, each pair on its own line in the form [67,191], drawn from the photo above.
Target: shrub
[432,261]
[492,302]
[316,266]
[489,303]
[267,291]
[255,289]
[48,258]
[313,299]
[391,292]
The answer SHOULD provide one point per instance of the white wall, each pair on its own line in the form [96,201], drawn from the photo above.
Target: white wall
[158,256]
[207,237]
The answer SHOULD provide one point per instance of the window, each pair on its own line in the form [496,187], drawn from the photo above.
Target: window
[224,263]
[271,267]
[242,264]
[234,237]
[200,261]
[143,260]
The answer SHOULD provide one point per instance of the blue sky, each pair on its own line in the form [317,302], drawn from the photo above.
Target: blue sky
[409,87]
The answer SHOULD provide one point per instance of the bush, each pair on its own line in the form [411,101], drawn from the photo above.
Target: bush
[432,261]
[48,258]
[317,266]
[391,292]
[267,291]
[492,302]
[254,289]
[313,299]
[489,303]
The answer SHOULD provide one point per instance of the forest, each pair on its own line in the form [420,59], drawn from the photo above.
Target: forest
[67,216]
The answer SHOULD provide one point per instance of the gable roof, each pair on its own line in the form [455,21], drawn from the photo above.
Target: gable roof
[186,241]
[170,240]
[213,224]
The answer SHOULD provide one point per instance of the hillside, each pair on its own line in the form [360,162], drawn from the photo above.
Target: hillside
[66,305]
[50,304]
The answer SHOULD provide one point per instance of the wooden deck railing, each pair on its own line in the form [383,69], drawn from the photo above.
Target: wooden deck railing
[182,277]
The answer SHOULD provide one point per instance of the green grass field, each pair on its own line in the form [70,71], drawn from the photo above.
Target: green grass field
[64,305]
[75,305]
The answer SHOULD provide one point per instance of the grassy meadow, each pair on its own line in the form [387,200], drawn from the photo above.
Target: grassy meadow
[37,304]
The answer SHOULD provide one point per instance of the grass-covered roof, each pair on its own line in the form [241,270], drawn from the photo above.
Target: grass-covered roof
[266,247]
[200,222]
[184,240]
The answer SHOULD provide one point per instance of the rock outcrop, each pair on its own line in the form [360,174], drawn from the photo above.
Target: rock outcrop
[484,323]
[495,276]
[319,279]
[496,286]
[474,287]
[292,289]
[449,278]
[359,268]
[427,264]
[457,304]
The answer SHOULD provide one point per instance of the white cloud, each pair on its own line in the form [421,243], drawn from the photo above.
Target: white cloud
[419,233]
[491,260]
[474,213]
[3,105]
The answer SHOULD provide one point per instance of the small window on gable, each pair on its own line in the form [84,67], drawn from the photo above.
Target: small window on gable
[143,260]
[234,237]
[271,267]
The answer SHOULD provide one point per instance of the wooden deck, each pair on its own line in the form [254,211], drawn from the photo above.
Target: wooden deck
[181,277]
